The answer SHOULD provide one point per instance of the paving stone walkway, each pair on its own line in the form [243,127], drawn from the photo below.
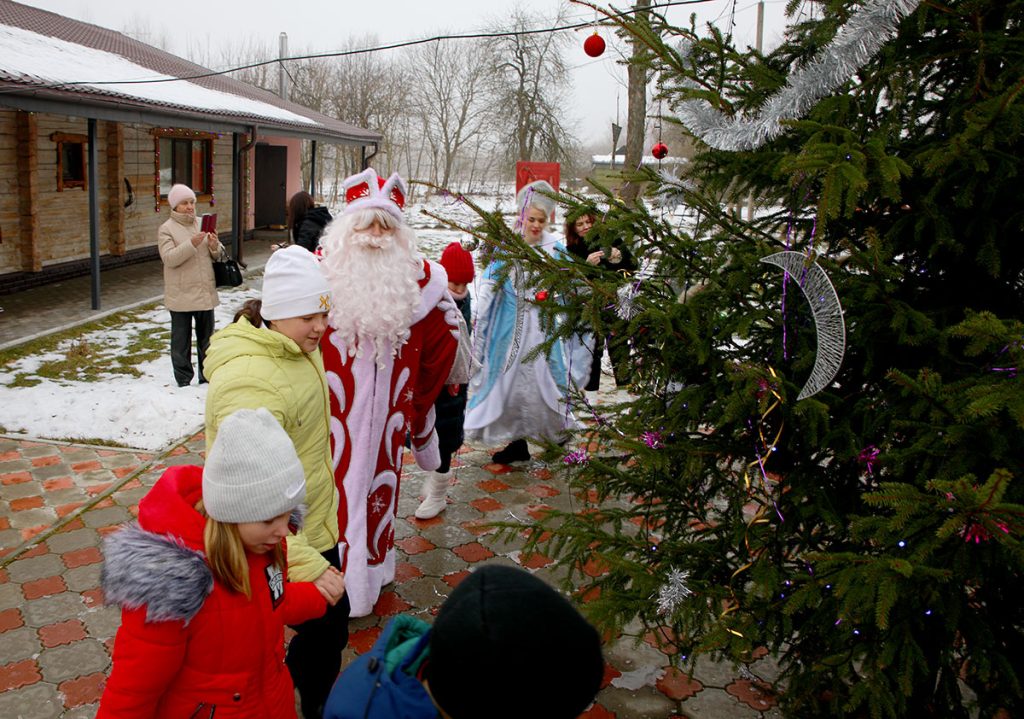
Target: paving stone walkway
[57,502]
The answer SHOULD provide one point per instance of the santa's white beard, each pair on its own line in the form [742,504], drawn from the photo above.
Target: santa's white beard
[374,282]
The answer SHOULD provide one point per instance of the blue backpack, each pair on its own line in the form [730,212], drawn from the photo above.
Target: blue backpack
[366,690]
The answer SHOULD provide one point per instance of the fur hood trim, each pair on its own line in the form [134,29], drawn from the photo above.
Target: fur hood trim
[297,518]
[156,571]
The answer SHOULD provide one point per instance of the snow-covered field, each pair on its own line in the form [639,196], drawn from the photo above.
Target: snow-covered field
[151,411]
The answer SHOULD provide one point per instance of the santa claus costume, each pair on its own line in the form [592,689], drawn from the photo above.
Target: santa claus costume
[387,353]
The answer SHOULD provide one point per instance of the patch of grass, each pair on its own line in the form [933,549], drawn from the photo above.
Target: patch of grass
[23,379]
[92,442]
[85,357]
[53,342]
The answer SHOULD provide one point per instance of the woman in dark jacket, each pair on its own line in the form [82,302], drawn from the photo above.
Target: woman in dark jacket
[306,220]
[618,259]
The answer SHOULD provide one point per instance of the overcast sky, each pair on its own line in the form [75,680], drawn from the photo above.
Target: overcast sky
[599,84]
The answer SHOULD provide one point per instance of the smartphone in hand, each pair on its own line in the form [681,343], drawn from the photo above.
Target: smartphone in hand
[208,223]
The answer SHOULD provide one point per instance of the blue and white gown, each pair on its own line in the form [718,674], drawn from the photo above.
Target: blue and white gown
[511,398]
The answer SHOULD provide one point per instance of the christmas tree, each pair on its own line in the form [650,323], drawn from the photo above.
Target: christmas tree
[862,523]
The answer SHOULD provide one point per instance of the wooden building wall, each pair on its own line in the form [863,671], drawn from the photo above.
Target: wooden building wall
[41,226]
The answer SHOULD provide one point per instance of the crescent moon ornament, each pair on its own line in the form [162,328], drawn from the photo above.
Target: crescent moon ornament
[828,317]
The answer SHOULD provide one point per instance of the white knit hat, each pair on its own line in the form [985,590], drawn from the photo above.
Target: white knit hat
[252,473]
[178,194]
[294,285]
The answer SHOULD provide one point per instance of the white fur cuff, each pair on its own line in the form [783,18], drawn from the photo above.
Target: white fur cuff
[428,456]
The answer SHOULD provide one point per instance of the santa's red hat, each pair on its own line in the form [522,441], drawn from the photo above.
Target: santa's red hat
[458,263]
[366,191]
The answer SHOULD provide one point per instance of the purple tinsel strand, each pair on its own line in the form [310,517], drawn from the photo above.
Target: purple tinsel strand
[578,456]
[868,456]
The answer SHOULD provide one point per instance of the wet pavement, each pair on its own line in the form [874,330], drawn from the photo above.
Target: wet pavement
[58,500]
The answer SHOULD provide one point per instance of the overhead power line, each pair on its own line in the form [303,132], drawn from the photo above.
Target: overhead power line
[378,48]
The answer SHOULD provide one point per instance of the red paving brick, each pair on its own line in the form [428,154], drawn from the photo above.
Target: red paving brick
[121,472]
[390,604]
[30,532]
[66,509]
[99,488]
[499,468]
[43,587]
[56,483]
[36,551]
[19,674]
[8,456]
[92,597]
[755,694]
[676,684]
[486,504]
[415,545]
[455,578]
[597,712]
[83,690]
[23,503]
[492,485]
[15,478]
[473,552]
[361,641]
[89,466]
[542,491]
[54,635]
[81,557]
[404,571]
[534,560]
[5,523]
[46,461]
[10,619]
[610,673]
[478,527]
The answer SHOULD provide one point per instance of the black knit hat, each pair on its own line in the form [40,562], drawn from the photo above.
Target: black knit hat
[505,644]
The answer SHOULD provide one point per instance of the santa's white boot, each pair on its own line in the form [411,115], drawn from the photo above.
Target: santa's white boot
[435,495]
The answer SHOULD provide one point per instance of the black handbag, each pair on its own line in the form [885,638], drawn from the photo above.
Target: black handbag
[226,272]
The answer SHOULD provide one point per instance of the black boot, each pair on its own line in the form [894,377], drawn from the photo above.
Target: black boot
[516,451]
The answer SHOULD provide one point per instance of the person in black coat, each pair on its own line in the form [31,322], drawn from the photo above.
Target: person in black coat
[615,259]
[306,220]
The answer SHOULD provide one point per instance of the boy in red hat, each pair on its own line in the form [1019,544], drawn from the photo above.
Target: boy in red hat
[450,407]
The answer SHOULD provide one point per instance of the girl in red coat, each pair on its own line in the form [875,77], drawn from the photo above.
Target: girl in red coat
[201,583]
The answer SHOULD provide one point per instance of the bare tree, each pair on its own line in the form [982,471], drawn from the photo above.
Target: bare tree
[449,91]
[528,84]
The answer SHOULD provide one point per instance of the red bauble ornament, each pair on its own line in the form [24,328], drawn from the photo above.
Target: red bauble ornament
[660,150]
[594,45]
[541,295]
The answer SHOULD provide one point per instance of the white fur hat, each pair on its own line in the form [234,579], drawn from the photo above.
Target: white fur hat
[294,285]
[536,194]
[178,194]
[366,191]
[252,472]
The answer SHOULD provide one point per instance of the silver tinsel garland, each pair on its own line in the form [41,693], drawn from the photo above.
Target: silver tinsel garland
[673,591]
[857,41]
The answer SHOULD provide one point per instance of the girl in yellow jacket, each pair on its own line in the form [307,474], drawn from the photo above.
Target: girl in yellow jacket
[270,357]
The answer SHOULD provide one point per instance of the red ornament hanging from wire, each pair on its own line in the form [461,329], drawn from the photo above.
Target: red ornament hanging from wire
[594,45]
[660,149]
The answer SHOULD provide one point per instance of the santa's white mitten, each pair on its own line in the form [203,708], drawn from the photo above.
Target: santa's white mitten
[428,454]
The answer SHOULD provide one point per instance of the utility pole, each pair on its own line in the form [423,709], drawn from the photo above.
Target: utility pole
[636,111]
[283,88]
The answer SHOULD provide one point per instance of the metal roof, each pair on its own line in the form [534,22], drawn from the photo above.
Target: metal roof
[38,94]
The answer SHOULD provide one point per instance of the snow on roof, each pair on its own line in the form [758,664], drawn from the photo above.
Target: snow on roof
[61,63]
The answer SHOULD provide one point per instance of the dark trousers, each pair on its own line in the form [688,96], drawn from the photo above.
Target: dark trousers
[314,654]
[181,342]
[618,350]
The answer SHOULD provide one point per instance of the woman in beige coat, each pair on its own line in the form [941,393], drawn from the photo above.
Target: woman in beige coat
[190,291]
